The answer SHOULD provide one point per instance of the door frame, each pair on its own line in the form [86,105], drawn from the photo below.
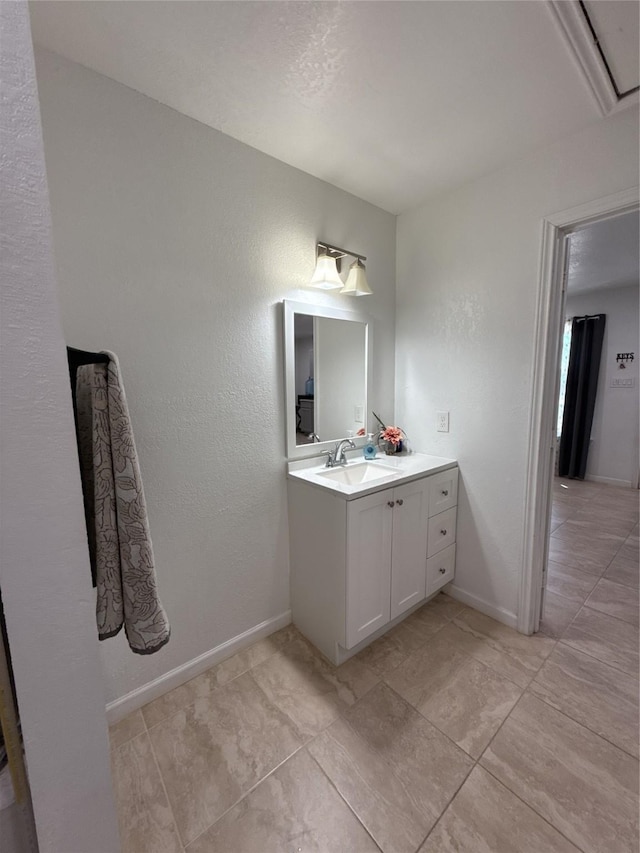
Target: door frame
[546,356]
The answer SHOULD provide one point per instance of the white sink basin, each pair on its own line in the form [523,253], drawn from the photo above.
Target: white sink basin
[355,473]
[363,476]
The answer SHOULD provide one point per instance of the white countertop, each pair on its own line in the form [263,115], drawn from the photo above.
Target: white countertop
[381,472]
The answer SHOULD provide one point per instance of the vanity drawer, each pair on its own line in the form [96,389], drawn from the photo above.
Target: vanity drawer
[442,531]
[443,491]
[440,569]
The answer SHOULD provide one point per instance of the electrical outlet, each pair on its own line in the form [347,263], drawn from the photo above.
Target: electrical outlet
[442,421]
[359,414]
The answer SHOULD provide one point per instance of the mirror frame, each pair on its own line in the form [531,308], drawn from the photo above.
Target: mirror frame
[301,451]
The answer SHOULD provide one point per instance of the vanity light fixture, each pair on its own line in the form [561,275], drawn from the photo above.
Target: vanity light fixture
[357,284]
[326,275]
[327,271]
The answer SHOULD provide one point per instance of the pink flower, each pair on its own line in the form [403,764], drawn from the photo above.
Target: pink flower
[392,434]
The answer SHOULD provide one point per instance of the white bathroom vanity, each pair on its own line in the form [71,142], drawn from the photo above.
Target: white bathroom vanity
[369,542]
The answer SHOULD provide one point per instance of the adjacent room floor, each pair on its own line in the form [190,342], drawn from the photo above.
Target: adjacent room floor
[593,555]
[451,733]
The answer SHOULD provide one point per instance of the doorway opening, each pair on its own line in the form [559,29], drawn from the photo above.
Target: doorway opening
[543,435]
[592,560]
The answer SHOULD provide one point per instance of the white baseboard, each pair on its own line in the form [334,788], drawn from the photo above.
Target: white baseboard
[609,481]
[497,613]
[130,702]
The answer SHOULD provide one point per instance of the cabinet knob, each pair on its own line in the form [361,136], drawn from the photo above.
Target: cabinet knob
[390,503]
[443,532]
[442,571]
[445,492]
[400,501]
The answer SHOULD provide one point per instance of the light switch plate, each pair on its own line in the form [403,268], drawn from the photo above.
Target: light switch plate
[359,414]
[442,421]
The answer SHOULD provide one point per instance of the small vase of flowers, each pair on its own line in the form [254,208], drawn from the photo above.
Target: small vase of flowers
[392,437]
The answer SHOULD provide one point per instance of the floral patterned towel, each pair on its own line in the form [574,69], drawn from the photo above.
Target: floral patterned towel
[119,531]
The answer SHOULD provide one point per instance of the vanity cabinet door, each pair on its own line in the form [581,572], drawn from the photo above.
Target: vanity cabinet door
[409,548]
[369,527]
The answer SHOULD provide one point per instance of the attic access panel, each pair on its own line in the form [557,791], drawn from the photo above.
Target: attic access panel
[615,27]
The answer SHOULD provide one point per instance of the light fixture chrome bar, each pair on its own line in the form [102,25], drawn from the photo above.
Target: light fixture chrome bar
[335,251]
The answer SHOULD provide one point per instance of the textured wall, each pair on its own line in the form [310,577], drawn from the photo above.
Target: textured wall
[44,563]
[467,282]
[175,245]
[613,454]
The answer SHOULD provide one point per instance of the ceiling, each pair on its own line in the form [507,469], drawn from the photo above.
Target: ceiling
[605,254]
[391,101]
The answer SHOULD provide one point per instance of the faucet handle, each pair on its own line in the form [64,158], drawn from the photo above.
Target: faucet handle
[331,458]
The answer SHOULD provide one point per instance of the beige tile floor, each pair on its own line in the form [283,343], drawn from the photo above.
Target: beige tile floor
[451,733]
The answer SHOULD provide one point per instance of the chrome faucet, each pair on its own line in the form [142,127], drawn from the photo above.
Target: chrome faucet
[338,456]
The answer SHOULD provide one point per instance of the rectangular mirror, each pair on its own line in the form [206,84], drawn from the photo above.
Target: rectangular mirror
[327,362]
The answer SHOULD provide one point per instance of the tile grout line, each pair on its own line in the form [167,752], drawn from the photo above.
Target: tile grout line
[476,761]
[599,576]
[455,793]
[215,686]
[344,800]
[568,644]
[262,779]
[497,731]
[246,794]
[593,609]
[446,736]
[580,723]
[542,699]
[610,615]
[436,726]
[530,692]
[330,723]
[424,642]
[506,677]
[281,763]
[381,680]
[589,575]
[600,613]
[114,748]
[164,787]
[502,785]
[495,672]
[505,785]
[532,808]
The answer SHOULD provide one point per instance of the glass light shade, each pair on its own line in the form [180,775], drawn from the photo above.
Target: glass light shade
[326,274]
[356,284]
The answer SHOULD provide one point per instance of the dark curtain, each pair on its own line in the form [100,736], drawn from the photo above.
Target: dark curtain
[587,334]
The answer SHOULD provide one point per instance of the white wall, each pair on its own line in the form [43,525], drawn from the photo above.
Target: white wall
[175,245]
[44,564]
[613,453]
[467,277]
